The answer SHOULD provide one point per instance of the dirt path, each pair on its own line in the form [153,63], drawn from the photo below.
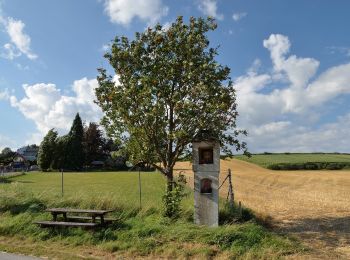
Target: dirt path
[312,205]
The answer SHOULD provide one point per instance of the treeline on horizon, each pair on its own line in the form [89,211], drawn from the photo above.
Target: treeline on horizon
[78,149]
[300,161]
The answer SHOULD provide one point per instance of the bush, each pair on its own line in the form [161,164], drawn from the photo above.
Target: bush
[309,166]
[172,198]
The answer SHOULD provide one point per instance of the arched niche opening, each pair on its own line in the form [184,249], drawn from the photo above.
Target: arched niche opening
[206,186]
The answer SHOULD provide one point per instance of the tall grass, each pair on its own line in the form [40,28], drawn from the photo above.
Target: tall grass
[137,232]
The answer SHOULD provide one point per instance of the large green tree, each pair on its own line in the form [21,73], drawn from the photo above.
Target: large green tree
[61,158]
[47,150]
[93,143]
[169,88]
[74,151]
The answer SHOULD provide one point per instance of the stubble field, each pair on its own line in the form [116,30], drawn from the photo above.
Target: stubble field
[312,205]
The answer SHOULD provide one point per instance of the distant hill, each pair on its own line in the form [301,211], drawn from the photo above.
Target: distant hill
[299,161]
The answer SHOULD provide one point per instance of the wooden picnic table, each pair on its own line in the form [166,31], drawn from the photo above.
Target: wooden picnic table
[92,214]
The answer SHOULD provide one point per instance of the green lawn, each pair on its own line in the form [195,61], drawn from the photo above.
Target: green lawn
[137,233]
[122,188]
[267,160]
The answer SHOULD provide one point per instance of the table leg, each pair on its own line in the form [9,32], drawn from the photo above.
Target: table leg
[102,220]
[65,216]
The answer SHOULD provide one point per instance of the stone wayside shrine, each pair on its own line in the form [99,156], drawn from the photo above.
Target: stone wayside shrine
[206,168]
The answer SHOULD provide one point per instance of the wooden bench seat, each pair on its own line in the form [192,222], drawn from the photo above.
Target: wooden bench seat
[66,224]
[89,218]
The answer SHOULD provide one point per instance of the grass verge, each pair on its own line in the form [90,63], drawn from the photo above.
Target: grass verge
[137,233]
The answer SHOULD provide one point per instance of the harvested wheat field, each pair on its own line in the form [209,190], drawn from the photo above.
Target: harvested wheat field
[312,205]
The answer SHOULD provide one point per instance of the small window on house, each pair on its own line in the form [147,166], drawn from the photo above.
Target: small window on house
[206,156]
[206,186]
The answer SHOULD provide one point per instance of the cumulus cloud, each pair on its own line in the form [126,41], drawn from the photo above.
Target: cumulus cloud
[209,7]
[279,107]
[238,16]
[49,108]
[20,41]
[284,136]
[124,11]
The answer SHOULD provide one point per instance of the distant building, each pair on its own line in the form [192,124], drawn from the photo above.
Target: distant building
[19,163]
[29,152]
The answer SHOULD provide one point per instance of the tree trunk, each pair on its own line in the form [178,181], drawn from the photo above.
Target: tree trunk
[170,179]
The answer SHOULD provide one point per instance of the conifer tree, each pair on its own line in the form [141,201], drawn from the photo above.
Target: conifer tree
[75,153]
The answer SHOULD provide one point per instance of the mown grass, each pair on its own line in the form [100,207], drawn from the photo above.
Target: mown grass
[269,160]
[138,232]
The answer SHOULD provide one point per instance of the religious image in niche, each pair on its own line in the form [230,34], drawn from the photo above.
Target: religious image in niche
[206,186]
[206,156]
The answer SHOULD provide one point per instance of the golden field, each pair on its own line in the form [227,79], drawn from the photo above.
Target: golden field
[312,205]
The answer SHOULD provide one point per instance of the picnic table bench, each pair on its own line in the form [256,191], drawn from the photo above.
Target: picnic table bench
[68,220]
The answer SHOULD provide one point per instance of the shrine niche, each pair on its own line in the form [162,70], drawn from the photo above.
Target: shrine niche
[206,168]
[206,186]
[206,156]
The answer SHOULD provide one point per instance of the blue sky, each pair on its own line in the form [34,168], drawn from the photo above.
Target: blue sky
[290,62]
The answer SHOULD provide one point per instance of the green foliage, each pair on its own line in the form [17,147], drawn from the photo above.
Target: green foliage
[309,166]
[300,161]
[169,88]
[6,156]
[60,153]
[173,197]
[172,200]
[74,151]
[93,144]
[47,149]
[6,151]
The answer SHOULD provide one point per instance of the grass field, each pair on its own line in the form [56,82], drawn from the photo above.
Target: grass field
[137,233]
[266,160]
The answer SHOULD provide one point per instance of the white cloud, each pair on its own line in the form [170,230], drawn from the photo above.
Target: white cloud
[340,49]
[124,11]
[287,137]
[238,16]
[20,41]
[15,29]
[298,70]
[10,52]
[48,108]
[278,108]
[209,7]
[4,94]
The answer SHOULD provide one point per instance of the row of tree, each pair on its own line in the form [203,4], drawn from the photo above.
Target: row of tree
[78,149]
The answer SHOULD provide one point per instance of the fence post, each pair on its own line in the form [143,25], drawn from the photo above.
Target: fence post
[230,188]
[140,192]
[62,182]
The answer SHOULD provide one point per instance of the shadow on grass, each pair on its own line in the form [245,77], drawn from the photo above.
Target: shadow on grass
[32,206]
[5,180]
[333,231]
[234,214]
